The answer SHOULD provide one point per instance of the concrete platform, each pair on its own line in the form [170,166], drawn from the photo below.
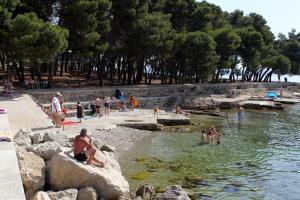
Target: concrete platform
[287,100]
[11,187]
[261,105]
[139,119]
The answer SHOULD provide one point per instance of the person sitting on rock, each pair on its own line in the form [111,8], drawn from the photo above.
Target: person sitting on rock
[84,150]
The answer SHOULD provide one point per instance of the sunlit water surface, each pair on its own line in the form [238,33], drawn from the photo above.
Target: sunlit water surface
[258,158]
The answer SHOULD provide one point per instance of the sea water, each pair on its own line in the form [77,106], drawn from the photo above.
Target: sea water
[258,158]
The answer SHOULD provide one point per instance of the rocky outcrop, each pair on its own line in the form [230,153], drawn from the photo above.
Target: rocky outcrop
[32,170]
[37,138]
[41,196]
[174,192]
[146,192]
[65,172]
[22,138]
[58,137]
[87,194]
[45,150]
[70,194]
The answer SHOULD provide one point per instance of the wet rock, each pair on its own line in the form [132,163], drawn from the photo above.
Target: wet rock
[22,138]
[107,148]
[32,170]
[87,194]
[46,150]
[70,194]
[146,192]
[174,192]
[59,137]
[183,129]
[65,172]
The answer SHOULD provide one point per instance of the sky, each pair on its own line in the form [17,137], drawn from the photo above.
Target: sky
[281,16]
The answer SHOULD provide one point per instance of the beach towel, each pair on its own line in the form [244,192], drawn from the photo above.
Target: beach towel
[70,123]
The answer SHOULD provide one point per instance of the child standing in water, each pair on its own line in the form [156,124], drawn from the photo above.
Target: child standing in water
[155,111]
[240,113]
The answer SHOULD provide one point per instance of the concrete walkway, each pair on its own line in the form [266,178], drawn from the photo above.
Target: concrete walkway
[11,187]
[23,112]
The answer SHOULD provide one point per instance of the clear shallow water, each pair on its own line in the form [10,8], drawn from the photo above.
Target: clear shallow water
[257,159]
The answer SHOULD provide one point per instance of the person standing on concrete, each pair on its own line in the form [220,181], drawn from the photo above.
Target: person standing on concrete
[107,102]
[98,105]
[56,110]
[79,112]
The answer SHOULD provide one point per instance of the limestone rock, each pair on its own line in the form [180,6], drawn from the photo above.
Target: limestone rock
[65,172]
[41,196]
[22,138]
[107,148]
[87,194]
[37,138]
[70,194]
[146,192]
[45,150]
[61,138]
[174,192]
[32,170]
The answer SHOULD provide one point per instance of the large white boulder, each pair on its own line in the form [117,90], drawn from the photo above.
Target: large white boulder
[65,172]
[32,170]
[70,194]
[45,150]
[22,138]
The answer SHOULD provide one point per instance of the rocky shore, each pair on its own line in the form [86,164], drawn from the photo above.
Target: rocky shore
[121,138]
[49,171]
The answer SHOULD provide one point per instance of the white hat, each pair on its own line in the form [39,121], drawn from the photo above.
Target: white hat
[58,94]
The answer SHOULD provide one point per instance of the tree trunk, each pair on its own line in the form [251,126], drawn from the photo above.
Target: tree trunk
[119,69]
[101,68]
[130,69]
[51,72]
[140,68]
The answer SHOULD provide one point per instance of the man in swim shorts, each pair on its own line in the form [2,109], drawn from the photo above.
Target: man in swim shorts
[84,150]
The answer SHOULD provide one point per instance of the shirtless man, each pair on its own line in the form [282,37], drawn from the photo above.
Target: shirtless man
[84,150]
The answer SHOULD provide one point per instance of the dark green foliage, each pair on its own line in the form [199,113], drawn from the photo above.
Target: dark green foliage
[135,41]
[31,38]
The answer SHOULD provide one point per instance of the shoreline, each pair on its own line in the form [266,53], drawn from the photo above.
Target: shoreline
[121,138]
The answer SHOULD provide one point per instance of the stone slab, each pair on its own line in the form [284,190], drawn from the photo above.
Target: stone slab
[11,187]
